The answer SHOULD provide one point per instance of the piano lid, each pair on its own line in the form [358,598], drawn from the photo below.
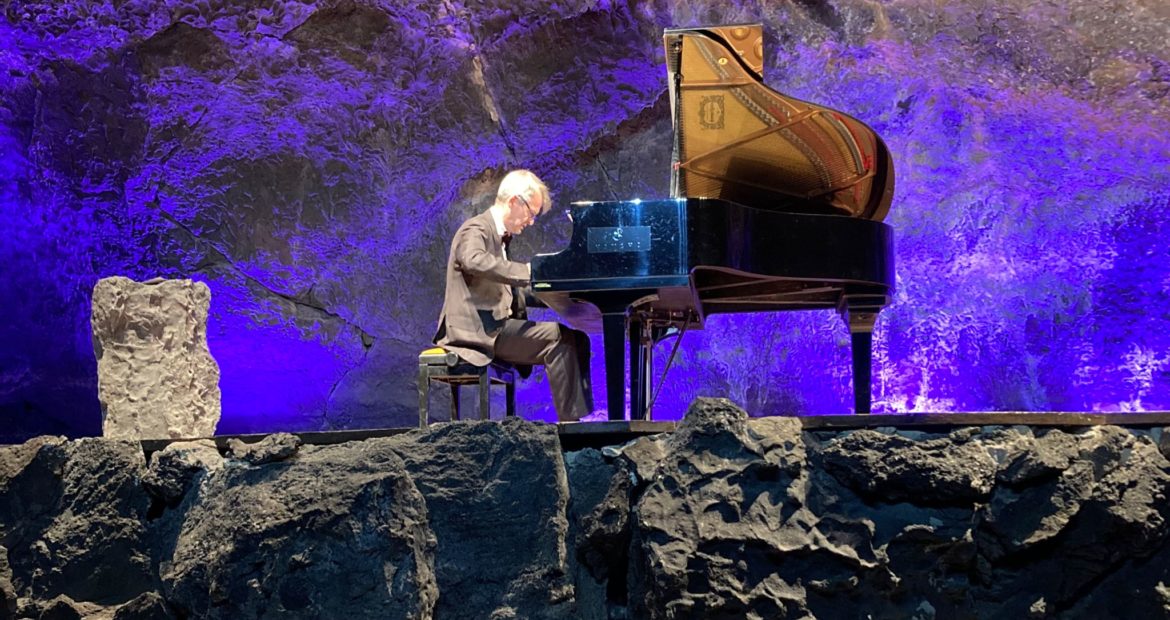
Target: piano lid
[737,139]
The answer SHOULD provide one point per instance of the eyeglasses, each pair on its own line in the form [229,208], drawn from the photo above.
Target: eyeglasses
[532,214]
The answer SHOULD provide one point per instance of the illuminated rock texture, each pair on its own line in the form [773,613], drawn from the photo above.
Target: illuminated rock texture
[463,521]
[728,517]
[309,161]
[174,468]
[73,519]
[156,377]
[261,542]
[738,518]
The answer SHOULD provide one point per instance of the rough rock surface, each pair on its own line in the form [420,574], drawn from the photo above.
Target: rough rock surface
[720,531]
[494,491]
[599,532]
[274,447]
[897,468]
[7,590]
[259,540]
[72,517]
[63,608]
[751,518]
[147,606]
[172,470]
[156,376]
[728,517]
[310,159]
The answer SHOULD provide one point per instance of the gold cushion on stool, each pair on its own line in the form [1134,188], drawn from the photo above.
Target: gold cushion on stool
[438,355]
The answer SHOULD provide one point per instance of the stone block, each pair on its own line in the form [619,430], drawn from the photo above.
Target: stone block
[156,376]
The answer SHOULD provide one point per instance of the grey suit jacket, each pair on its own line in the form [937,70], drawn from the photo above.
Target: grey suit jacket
[478,281]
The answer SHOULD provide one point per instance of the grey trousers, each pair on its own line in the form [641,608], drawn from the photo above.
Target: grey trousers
[565,355]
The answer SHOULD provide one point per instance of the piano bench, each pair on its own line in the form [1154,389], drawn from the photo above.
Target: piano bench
[438,364]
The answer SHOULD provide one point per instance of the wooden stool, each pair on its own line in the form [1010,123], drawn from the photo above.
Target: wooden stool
[438,364]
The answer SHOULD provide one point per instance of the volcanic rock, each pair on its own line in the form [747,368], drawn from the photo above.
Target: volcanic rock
[172,469]
[599,531]
[72,519]
[494,491]
[272,448]
[7,590]
[946,470]
[720,532]
[146,606]
[728,516]
[323,534]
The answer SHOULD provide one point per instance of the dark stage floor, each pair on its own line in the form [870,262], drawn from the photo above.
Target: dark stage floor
[576,436]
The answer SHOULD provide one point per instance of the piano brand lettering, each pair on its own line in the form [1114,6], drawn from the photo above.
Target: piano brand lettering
[606,239]
[711,112]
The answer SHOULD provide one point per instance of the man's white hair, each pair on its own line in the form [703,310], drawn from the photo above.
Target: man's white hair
[525,184]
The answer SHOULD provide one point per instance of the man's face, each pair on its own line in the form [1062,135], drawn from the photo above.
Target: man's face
[522,212]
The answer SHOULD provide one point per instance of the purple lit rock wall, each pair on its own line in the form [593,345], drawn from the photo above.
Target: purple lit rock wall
[309,161]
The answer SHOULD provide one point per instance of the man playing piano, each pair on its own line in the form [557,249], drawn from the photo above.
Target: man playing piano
[484,315]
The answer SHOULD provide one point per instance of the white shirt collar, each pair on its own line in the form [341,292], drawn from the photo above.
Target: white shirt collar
[498,218]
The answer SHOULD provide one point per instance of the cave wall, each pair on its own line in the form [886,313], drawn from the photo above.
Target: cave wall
[310,160]
[727,517]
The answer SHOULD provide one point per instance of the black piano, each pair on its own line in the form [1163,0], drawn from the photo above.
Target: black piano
[776,206]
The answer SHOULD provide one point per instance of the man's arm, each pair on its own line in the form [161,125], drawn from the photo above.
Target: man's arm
[472,257]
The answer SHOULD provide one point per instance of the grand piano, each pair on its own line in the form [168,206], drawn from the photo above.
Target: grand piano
[776,204]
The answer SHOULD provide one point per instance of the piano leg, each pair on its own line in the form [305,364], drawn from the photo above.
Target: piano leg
[862,370]
[613,328]
[641,342]
[637,403]
[860,314]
